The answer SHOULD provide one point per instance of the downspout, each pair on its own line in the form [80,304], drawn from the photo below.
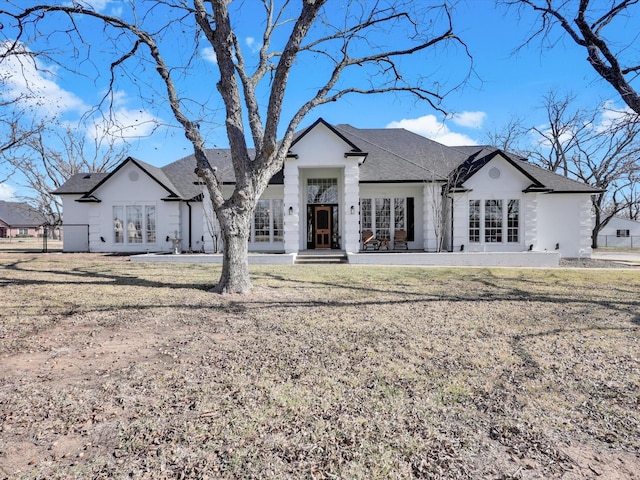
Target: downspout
[451,199]
[189,207]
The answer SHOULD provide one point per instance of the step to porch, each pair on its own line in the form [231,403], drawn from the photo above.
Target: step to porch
[315,258]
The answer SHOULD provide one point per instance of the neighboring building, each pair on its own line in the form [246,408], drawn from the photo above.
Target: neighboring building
[18,219]
[620,232]
[337,182]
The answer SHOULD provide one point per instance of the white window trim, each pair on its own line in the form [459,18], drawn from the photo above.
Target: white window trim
[143,227]
[505,221]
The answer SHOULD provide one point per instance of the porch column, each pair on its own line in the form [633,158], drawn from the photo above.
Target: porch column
[291,206]
[351,240]
[430,208]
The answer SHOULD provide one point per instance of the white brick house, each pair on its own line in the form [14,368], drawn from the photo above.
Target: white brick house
[338,181]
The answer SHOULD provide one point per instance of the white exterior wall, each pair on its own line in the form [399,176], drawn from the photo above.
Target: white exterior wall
[455,240]
[509,185]
[321,154]
[400,190]
[191,214]
[431,208]
[565,220]
[123,190]
[76,224]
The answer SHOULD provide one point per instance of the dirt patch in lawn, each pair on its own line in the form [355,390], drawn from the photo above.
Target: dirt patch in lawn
[114,370]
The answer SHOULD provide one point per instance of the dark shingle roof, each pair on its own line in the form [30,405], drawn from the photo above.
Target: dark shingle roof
[557,183]
[392,155]
[400,155]
[80,183]
[19,214]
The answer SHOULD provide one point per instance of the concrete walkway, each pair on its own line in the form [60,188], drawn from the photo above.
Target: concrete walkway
[630,256]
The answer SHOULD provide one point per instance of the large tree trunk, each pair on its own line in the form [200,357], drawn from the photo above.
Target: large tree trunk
[596,226]
[235,224]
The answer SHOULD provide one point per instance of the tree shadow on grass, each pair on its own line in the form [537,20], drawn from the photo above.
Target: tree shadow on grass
[482,286]
[87,276]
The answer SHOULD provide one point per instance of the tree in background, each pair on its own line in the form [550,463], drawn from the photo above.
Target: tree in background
[599,146]
[49,157]
[337,48]
[16,125]
[593,25]
[38,150]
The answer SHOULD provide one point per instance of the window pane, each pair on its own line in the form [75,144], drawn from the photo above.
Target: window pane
[134,224]
[118,224]
[493,221]
[150,214]
[474,221]
[322,190]
[398,214]
[261,221]
[513,221]
[278,216]
[383,218]
[365,212]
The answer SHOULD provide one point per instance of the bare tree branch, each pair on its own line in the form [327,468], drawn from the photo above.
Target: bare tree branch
[351,38]
[589,32]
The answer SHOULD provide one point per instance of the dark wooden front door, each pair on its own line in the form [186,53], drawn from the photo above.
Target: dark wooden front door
[322,235]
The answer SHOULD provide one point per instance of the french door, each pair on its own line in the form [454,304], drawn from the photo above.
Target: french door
[322,223]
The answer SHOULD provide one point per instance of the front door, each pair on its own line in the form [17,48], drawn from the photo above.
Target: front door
[322,222]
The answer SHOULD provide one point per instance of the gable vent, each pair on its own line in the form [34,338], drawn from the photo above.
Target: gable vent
[494,173]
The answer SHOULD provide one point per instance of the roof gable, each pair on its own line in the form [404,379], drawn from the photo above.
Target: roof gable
[156,174]
[541,180]
[354,148]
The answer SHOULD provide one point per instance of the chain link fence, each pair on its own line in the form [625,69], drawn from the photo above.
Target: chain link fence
[48,239]
[632,241]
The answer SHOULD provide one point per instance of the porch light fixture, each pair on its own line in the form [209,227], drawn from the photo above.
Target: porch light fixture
[353,209]
[290,210]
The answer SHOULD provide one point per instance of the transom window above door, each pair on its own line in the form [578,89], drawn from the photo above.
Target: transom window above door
[322,190]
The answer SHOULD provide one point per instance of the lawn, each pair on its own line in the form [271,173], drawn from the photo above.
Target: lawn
[112,369]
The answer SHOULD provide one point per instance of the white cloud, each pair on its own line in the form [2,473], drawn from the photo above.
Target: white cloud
[469,119]
[429,126]
[252,44]
[209,54]
[34,86]
[7,192]
[97,5]
[613,116]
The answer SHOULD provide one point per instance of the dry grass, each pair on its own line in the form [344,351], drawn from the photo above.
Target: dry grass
[119,370]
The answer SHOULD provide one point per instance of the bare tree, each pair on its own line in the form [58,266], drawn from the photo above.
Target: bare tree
[598,146]
[335,39]
[594,25]
[507,137]
[562,134]
[16,126]
[49,157]
[631,197]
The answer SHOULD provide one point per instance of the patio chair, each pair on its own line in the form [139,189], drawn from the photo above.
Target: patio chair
[369,240]
[400,240]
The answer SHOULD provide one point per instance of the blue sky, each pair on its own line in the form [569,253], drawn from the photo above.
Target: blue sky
[504,85]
